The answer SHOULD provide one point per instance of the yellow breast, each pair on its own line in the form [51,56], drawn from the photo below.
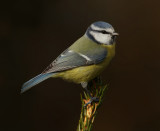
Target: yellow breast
[87,73]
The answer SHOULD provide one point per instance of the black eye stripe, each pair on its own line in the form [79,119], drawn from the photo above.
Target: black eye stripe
[101,31]
[104,32]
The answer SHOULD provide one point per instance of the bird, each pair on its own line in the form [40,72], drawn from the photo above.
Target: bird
[84,60]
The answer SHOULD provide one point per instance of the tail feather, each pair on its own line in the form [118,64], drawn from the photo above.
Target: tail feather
[34,81]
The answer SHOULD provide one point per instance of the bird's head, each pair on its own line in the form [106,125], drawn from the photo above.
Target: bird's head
[101,33]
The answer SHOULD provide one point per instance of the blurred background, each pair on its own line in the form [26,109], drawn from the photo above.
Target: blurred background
[34,32]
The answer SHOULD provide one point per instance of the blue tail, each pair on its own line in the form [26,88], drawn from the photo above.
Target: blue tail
[36,80]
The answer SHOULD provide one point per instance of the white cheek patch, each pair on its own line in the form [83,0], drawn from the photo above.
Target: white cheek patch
[101,38]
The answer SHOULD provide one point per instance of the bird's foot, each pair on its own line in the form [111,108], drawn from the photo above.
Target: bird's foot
[92,99]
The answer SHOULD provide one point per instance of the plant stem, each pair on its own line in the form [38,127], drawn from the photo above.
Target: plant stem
[88,113]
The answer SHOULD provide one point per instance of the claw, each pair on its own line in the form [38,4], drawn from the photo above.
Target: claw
[93,99]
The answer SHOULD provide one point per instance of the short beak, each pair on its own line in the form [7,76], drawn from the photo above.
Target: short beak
[115,34]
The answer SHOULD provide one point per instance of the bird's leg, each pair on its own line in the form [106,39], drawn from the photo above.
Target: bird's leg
[92,99]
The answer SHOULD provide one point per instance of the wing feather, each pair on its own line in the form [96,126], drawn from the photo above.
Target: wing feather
[70,59]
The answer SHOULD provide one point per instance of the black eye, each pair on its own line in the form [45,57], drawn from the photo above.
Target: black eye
[104,32]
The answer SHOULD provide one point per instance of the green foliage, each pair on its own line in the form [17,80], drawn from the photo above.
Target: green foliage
[88,113]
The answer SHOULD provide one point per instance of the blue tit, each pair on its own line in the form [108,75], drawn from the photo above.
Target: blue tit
[84,60]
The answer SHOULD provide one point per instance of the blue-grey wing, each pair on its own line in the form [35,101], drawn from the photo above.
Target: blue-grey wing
[70,59]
